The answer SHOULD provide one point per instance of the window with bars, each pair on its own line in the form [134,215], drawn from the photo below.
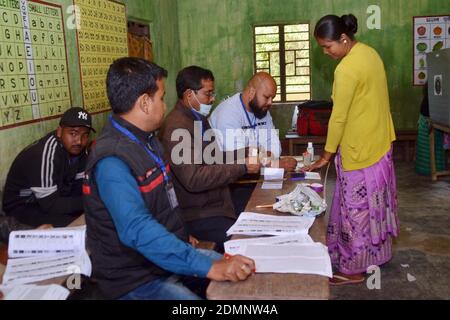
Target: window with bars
[283,51]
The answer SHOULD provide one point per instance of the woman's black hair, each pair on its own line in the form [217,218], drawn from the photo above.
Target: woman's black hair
[332,27]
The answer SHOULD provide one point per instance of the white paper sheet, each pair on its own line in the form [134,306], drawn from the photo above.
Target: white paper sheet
[27,243]
[271,185]
[312,176]
[312,258]
[233,247]
[35,292]
[251,223]
[273,178]
[33,269]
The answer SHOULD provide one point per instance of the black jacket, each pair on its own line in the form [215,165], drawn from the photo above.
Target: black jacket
[9,224]
[119,269]
[44,184]
[202,189]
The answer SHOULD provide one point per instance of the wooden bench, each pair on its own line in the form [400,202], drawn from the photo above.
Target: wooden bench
[296,140]
[434,173]
[406,142]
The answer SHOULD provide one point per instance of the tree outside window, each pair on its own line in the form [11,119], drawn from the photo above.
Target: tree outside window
[283,51]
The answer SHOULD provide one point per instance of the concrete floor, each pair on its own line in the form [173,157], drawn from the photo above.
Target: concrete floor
[420,268]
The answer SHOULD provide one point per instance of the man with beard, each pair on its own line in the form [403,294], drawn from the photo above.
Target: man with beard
[244,121]
[44,184]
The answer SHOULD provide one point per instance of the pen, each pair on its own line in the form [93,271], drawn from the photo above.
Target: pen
[264,206]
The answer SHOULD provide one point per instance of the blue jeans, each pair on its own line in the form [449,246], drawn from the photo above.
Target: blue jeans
[169,288]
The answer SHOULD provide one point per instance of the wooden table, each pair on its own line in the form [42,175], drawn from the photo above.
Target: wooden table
[435,174]
[275,286]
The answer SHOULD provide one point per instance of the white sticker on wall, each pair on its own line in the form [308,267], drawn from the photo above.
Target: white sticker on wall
[438,85]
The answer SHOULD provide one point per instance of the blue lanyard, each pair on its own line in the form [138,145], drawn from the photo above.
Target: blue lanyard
[133,138]
[199,118]
[252,125]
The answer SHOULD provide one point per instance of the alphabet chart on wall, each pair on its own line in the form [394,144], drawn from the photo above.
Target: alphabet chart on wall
[102,38]
[430,34]
[34,81]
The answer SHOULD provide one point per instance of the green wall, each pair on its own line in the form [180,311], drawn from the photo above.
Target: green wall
[217,34]
[13,140]
[161,15]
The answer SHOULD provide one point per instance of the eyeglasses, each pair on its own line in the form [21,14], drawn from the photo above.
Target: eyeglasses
[209,94]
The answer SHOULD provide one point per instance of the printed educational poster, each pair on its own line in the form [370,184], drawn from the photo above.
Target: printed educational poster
[34,81]
[430,34]
[102,38]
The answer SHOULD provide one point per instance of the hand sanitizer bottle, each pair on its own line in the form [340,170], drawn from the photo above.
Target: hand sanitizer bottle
[310,150]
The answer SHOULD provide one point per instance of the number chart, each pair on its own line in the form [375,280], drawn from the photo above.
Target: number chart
[34,80]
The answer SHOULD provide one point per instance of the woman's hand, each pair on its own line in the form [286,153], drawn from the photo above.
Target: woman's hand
[322,162]
[316,165]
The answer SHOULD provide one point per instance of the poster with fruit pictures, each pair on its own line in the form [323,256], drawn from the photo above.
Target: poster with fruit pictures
[431,33]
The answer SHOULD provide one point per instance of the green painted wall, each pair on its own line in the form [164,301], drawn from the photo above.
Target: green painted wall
[217,34]
[161,15]
[15,139]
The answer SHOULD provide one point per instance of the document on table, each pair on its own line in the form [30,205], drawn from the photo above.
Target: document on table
[250,223]
[46,242]
[273,178]
[311,258]
[238,246]
[35,292]
[312,176]
[34,269]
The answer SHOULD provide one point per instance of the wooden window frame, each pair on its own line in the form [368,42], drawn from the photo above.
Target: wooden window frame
[282,52]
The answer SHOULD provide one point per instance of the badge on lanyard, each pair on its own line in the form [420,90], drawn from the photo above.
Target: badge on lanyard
[170,190]
[172,197]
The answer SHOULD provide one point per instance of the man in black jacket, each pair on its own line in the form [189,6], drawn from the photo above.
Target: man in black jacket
[45,180]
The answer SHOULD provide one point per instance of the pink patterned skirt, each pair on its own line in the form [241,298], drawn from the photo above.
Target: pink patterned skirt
[363,216]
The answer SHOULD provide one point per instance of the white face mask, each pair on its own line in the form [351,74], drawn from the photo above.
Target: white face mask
[205,109]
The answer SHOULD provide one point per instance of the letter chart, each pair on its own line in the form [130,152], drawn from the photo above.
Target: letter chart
[102,38]
[34,82]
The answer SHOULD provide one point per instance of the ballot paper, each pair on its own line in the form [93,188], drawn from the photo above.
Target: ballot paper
[251,223]
[37,255]
[312,176]
[47,242]
[310,258]
[34,269]
[233,247]
[35,292]
[273,178]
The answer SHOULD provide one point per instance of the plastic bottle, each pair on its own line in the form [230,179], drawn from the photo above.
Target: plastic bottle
[310,150]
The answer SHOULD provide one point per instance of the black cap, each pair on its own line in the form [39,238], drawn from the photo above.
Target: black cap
[76,117]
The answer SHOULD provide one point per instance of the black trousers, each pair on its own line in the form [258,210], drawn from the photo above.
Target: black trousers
[240,194]
[211,229]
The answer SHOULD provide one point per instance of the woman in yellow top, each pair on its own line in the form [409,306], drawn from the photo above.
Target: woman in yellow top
[363,216]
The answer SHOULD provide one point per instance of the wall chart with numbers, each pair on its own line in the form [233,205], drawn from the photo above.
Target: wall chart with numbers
[431,33]
[102,38]
[34,80]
